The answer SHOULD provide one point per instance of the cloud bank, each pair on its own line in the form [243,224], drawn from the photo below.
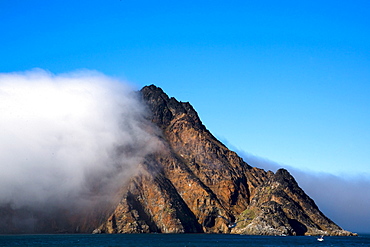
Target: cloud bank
[68,139]
[344,199]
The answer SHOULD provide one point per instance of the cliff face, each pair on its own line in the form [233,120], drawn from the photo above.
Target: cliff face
[196,184]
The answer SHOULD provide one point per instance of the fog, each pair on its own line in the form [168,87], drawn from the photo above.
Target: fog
[69,140]
[344,199]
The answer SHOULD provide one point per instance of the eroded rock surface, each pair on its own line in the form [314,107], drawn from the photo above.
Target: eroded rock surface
[194,184]
[195,179]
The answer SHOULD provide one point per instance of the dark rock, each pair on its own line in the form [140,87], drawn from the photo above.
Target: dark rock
[197,178]
[195,184]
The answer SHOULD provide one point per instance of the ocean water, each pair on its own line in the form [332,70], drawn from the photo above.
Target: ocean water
[189,240]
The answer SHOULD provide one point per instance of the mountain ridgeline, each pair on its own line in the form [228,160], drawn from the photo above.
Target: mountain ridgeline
[191,184]
[197,185]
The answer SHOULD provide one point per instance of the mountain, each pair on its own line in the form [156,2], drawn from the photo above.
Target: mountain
[191,184]
[195,184]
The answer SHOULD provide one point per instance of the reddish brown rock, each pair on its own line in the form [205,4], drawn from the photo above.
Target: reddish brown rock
[194,184]
[195,179]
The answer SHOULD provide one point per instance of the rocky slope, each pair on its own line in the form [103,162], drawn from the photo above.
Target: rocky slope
[196,184]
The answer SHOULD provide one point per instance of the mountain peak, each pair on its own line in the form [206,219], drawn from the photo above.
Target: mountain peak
[202,186]
[193,184]
[164,109]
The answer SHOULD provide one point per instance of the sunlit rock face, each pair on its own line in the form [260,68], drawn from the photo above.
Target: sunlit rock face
[186,181]
[195,184]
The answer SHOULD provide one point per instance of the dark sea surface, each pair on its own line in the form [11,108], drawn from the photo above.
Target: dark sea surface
[198,240]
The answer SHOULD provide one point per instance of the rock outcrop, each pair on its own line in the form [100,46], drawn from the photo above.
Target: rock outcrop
[196,184]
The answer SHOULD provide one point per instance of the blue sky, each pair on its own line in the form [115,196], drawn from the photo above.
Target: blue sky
[284,80]
[288,81]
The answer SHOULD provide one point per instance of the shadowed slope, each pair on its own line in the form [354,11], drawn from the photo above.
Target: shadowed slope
[195,179]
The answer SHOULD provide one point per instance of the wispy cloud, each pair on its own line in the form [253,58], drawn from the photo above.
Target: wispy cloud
[68,139]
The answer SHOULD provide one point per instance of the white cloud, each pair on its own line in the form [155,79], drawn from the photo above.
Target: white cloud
[64,138]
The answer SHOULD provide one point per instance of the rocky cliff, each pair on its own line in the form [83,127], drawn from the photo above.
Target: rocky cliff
[195,184]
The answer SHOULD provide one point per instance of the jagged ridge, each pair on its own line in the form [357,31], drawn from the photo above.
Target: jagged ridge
[195,184]
[195,179]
